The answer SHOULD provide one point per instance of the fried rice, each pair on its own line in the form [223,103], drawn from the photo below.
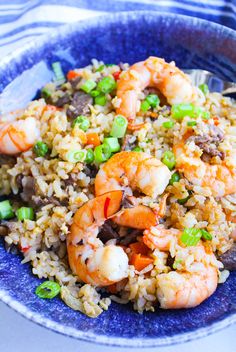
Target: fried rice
[56,187]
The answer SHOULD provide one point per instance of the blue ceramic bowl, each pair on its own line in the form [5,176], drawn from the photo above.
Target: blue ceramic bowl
[127,37]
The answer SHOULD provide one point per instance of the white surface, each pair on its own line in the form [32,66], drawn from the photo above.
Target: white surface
[20,335]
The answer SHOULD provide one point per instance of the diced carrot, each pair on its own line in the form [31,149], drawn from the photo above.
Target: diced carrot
[231,218]
[93,138]
[140,261]
[72,74]
[112,288]
[139,248]
[216,120]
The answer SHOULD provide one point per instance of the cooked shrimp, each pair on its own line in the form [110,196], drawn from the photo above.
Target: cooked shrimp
[220,178]
[153,72]
[18,136]
[186,290]
[93,262]
[137,170]
[181,289]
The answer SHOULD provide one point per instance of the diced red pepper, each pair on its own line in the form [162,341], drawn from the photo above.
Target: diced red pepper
[72,74]
[106,205]
[116,75]
[24,249]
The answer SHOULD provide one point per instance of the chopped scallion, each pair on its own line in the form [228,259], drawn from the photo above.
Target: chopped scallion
[174,178]
[89,156]
[106,85]
[191,236]
[88,86]
[145,106]
[137,149]
[6,211]
[113,144]
[100,68]
[75,156]
[102,153]
[168,159]
[191,123]
[204,88]
[206,235]
[94,93]
[25,213]
[58,73]
[82,122]
[168,124]
[119,126]
[48,289]
[153,100]
[100,100]
[40,148]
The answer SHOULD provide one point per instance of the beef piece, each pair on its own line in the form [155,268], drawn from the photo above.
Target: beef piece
[79,105]
[39,202]
[7,160]
[11,248]
[209,143]
[3,230]
[131,237]
[65,99]
[127,202]
[70,181]
[229,258]
[29,190]
[107,232]
[74,82]
[91,171]
[127,145]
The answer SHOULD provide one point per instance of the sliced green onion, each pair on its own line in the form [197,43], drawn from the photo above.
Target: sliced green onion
[40,149]
[100,68]
[113,144]
[102,153]
[88,86]
[191,236]
[145,106]
[109,65]
[48,289]
[100,100]
[206,235]
[205,115]
[174,178]
[94,93]
[176,263]
[153,100]
[168,159]
[119,126]
[59,75]
[137,149]
[204,88]
[179,111]
[183,200]
[106,85]
[6,211]
[89,156]
[168,124]
[191,123]
[75,156]
[45,92]
[82,122]
[25,213]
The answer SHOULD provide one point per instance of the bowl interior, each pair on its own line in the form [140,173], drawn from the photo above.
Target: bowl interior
[130,37]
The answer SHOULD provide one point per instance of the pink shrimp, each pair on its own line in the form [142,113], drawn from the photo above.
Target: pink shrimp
[18,136]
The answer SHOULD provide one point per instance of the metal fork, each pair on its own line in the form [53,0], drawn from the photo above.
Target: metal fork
[214,83]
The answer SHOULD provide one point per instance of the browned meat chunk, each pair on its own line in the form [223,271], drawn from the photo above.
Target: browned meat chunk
[229,258]
[79,105]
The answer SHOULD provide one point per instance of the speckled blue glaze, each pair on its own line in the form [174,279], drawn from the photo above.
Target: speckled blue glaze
[130,37]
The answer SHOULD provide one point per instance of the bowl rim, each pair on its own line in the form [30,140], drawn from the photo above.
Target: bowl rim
[20,308]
